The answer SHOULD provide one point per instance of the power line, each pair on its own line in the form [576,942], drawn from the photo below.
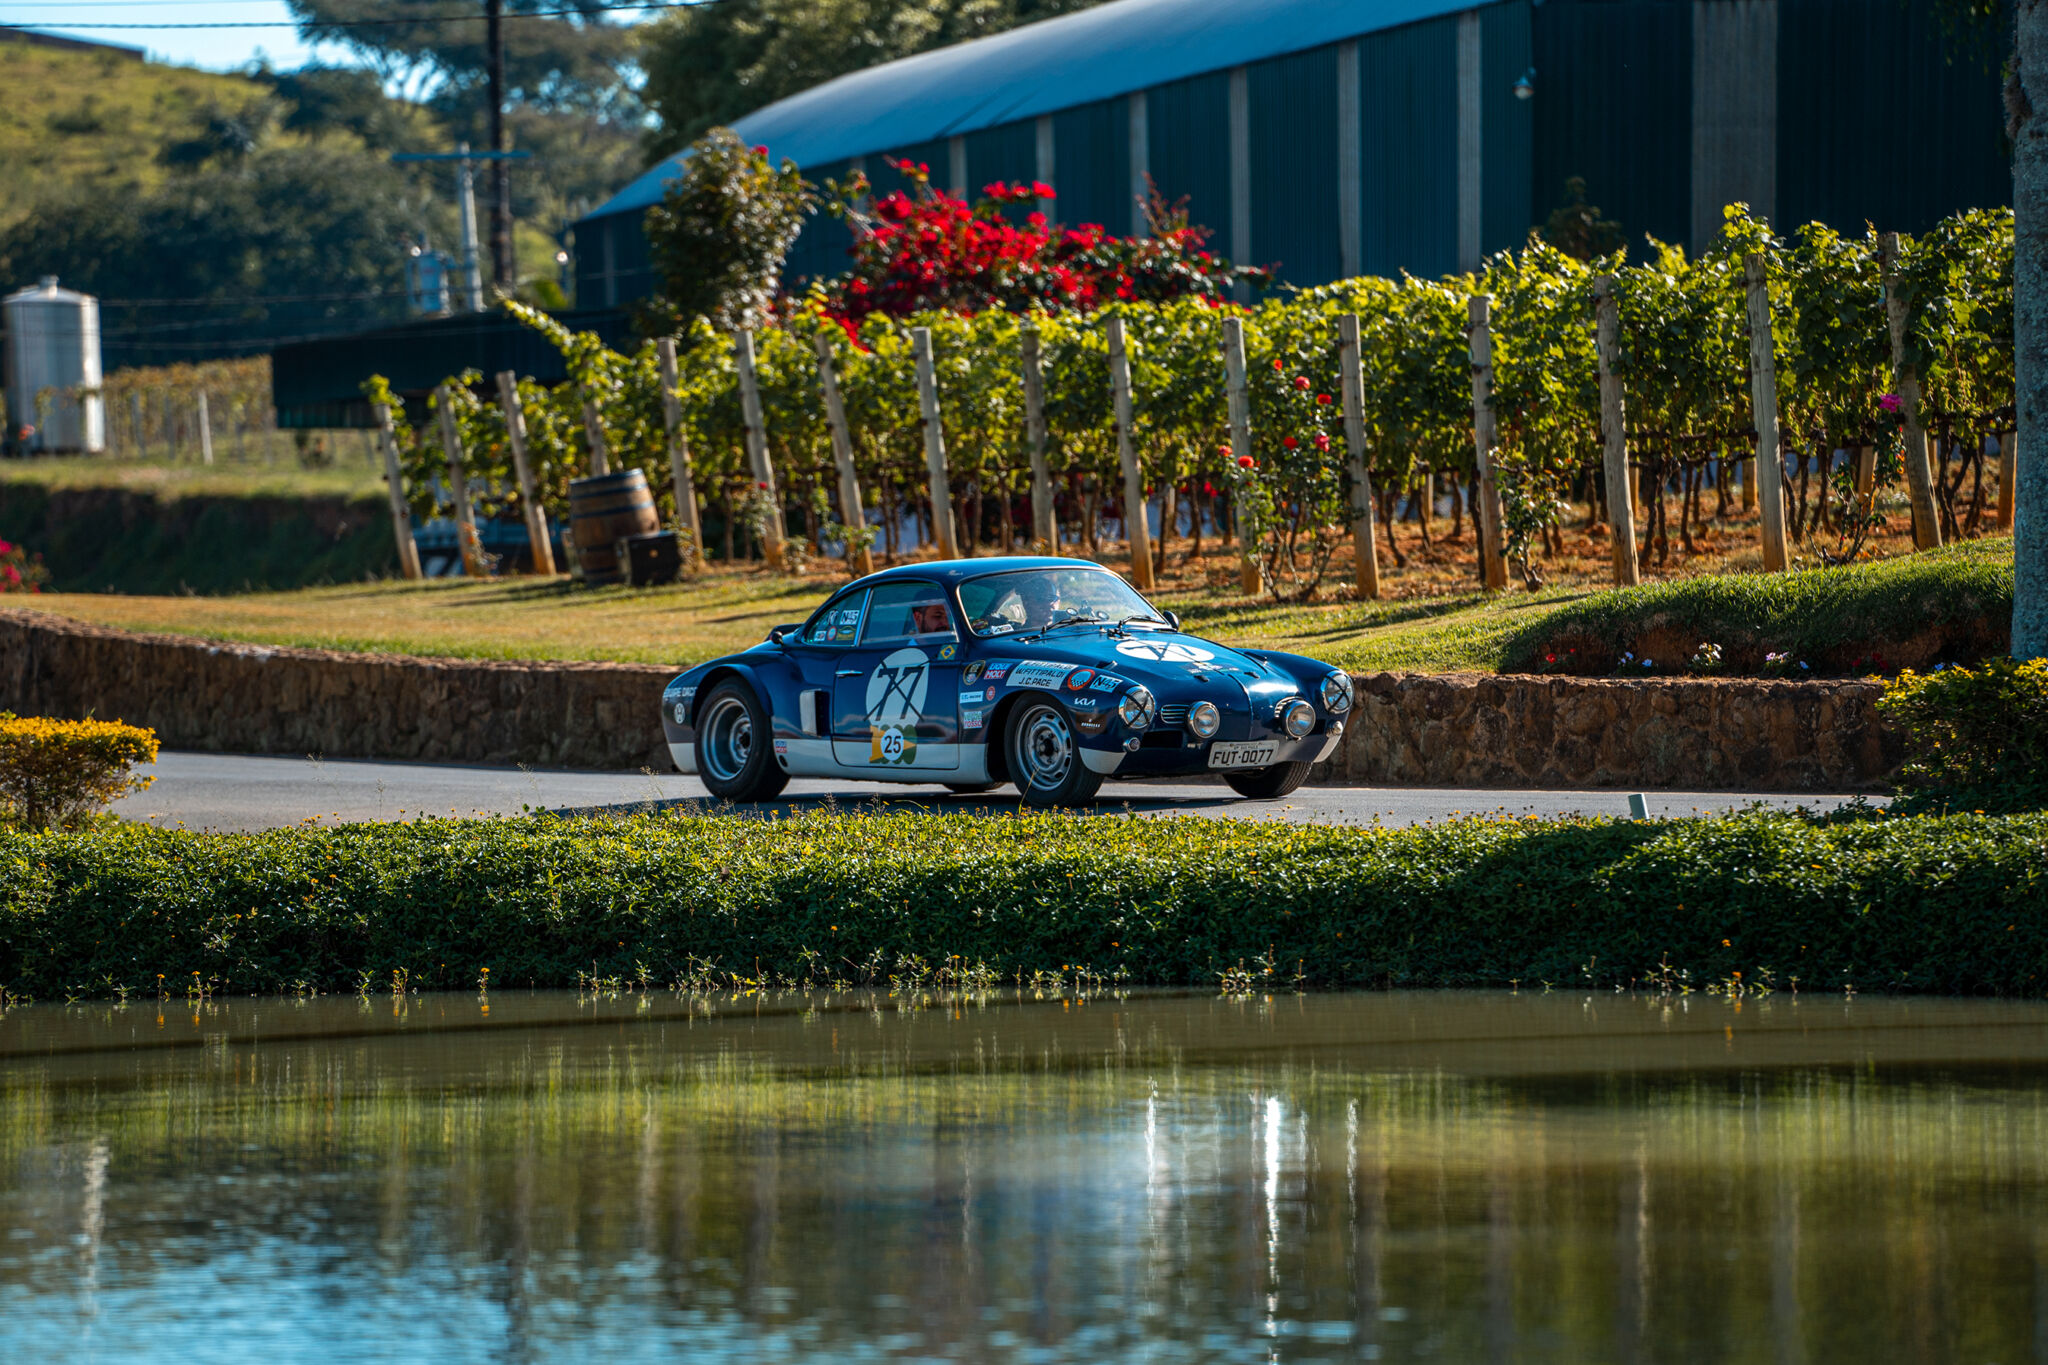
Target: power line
[313,27]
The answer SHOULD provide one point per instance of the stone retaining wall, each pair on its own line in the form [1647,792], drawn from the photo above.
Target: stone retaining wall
[1463,730]
[1696,734]
[232,698]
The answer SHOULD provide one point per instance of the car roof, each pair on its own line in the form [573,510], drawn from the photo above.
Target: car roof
[952,571]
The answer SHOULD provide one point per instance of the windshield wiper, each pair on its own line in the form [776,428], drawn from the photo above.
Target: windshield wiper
[1090,619]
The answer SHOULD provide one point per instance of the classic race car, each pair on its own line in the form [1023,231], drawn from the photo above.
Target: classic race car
[1053,674]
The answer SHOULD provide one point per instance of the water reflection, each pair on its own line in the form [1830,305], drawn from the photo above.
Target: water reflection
[1398,1177]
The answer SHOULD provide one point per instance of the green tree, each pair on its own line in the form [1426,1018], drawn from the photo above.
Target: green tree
[708,65]
[721,232]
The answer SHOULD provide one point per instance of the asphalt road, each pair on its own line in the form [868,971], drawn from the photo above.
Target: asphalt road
[245,792]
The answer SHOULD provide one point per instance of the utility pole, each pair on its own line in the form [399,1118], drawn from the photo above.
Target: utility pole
[504,270]
[465,208]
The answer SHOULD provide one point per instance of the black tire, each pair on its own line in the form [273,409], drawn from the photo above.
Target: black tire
[968,788]
[735,746]
[1043,753]
[1267,784]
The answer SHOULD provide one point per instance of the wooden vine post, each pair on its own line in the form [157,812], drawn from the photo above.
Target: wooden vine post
[1763,406]
[1919,476]
[1364,535]
[851,509]
[1621,508]
[1043,528]
[757,444]
[1492,562]
[593,432]
[394,484]
[2008,473]
[466,541]
[205,431]
[529,499]
[934,444]
[1251,579]
[1137,529]
[688,515]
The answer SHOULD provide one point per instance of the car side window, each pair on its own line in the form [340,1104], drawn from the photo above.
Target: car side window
[839,622]
[908,611]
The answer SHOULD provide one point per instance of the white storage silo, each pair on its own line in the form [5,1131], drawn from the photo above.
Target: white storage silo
[53,348]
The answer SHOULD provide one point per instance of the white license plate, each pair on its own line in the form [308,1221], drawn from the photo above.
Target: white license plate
[1242,755]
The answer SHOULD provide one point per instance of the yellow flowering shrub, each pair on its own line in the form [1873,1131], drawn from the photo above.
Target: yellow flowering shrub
[52,772]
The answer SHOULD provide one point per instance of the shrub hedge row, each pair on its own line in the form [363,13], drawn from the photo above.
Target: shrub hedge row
[1951,904]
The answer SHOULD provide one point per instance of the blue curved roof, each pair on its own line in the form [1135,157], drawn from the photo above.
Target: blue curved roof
[1094,54]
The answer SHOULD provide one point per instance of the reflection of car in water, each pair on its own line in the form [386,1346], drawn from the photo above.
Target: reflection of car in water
[1053,674]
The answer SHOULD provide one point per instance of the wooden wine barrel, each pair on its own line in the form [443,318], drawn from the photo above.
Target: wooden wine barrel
[603,510]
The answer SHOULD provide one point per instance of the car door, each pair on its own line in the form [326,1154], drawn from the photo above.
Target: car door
[803,739]
[895,697]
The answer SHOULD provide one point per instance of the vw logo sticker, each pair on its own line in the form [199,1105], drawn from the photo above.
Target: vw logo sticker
[1172,652]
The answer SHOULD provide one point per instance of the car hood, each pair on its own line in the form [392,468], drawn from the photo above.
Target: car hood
[1166,661]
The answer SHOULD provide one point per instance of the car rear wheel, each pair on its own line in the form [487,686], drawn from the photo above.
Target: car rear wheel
[1265,784]
[735,746]
[1044,756]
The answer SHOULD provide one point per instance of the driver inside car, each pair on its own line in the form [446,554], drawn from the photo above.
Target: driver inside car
[1032,604]
[928,616]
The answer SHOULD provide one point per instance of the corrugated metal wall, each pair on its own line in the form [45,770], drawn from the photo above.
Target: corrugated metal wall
[1507,126]
[1189,136]
[1294,166]
[1614,104]
[1869,93]
[1408,136]
[1092,165]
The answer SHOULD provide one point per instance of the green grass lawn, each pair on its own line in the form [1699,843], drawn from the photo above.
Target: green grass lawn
[716,613]
[349,477]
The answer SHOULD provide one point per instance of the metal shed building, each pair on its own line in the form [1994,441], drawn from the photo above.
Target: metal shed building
[1337,137]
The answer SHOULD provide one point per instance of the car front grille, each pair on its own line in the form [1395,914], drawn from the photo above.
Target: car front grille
[1175,715]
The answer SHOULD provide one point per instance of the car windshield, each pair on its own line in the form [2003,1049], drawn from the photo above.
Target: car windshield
[1021,600]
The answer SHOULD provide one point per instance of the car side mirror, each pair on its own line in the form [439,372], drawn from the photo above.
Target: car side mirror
[1172,619]
[782,635]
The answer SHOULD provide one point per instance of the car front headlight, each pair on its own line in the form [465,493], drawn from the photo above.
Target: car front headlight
[1204,718]
[1298,718]
[1137,708]
[1337,693]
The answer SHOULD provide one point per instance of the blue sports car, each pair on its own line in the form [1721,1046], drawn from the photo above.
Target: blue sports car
[1053,674]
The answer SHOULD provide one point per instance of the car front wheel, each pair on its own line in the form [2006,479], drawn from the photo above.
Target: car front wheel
[735,746]
[1266,784]
[1045,757]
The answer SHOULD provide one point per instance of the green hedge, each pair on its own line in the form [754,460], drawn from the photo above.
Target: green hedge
[1954,904]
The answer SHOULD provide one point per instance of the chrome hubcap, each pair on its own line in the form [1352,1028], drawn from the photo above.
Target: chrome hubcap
[1045,748]
[728,733]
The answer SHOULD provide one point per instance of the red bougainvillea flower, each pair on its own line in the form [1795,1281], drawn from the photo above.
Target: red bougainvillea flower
[1277,366]
[1323,398]
[760,151]
[1247,462]
[1322,441]
[1224,451]
[5,548]
[763,485]
[1301,381]
[1288,443]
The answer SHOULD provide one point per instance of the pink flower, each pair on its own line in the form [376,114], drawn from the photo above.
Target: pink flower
[1301,381]
[5,548]
[1322,441]
[760,151]
[1224,451]
[1891,402]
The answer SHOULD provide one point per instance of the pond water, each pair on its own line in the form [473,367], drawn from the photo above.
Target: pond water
[1541,1177]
